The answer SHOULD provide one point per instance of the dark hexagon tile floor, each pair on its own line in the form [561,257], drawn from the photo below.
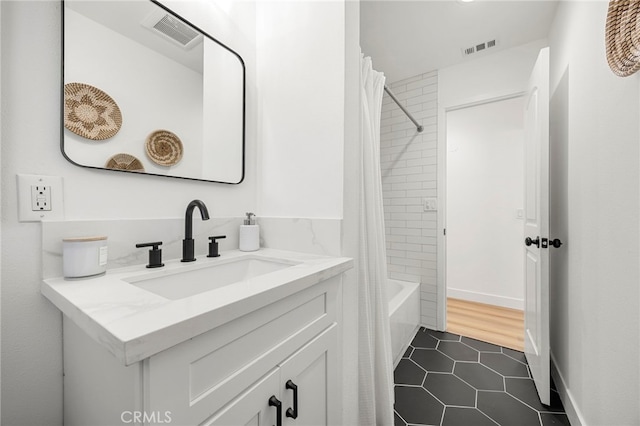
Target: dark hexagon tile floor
[446,380]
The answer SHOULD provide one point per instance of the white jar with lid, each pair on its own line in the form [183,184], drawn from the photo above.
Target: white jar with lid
[84,256]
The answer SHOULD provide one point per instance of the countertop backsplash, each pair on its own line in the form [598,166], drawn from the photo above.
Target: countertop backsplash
[307,235]
[123,234]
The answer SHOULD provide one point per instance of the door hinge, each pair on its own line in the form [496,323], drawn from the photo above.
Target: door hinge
[444,231]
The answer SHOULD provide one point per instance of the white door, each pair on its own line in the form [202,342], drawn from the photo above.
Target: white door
[536,227]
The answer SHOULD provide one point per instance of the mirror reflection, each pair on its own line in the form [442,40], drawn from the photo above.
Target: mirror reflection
[146,92]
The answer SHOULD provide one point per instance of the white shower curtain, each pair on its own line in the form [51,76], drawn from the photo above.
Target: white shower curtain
[375,364]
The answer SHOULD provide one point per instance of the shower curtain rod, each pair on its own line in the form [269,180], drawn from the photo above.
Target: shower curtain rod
[418,125]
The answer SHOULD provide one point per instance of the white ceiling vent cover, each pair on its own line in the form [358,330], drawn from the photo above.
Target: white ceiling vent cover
[172,28]
[479,47]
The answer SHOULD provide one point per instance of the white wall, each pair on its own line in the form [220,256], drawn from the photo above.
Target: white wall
[492,76]
[0,216]
[31,326]
[408,161]
[595,205]
[301,67]
[501,74]
[351,219]
[485,185]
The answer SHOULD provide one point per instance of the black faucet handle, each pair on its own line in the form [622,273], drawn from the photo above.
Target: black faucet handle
[154,245]
[155,254]
[213,246]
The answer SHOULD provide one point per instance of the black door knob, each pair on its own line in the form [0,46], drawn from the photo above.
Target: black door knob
[528,241]
[556,243]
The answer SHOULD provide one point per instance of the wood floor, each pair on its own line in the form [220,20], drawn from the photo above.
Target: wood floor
[493,324]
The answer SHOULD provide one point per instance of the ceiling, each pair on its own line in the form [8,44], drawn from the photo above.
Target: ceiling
[126,18]
[407,38]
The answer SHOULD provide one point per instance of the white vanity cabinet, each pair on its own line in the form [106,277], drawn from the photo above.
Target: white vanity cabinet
[225,376]
[309,370]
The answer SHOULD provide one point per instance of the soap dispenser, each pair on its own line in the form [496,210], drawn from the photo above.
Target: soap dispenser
[249,234]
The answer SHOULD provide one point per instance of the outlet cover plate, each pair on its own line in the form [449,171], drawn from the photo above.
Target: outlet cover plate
[430,204]
[26,213]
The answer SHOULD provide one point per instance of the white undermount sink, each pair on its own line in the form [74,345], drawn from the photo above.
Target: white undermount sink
[189,281]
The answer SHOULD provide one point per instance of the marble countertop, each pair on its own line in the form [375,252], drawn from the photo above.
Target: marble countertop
[134,324]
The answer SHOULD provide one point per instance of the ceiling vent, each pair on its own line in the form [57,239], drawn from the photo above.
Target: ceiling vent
[479,47]
[172,28]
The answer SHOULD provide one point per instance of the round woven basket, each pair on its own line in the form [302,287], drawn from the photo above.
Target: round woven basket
[164,148]
[622,37]
[124,161]
[90,112]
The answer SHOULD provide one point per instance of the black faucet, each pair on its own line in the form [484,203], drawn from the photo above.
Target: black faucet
[187,243]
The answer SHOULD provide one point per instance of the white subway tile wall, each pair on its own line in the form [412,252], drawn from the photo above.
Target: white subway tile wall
[409,175]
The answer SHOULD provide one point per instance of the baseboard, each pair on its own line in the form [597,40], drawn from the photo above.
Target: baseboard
[489,299]
[569,403]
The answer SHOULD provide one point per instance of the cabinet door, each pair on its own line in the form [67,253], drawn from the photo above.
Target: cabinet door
[197,378]
[251,408]
[312,370]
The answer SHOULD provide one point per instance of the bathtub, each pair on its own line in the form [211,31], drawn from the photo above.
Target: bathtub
[404,315]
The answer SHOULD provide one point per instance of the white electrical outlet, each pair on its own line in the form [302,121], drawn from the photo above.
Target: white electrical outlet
[430,204]
[40,198]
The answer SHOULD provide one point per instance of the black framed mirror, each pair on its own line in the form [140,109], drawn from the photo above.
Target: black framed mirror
[145,91]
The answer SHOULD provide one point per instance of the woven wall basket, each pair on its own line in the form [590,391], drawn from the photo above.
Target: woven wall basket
[90,112]
[164,147]
[123,161]
[622,37]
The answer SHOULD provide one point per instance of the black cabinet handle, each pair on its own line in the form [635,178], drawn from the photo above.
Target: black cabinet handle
[293,413]
[274,402]
[528,241]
